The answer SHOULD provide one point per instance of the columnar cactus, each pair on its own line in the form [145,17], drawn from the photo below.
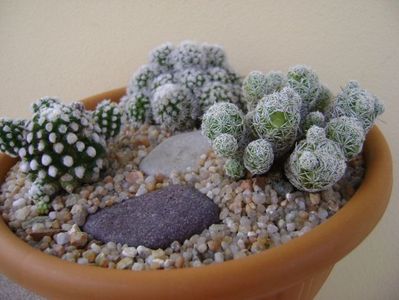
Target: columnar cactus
[348,133]
[357,102]
[202,69]
[108,116]
[258,156]
[316,163]
[62,146]
[171,106]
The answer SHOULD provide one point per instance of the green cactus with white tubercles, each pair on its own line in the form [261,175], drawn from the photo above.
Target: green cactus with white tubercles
[225,145]
[215,92]
[214,55]
[258,156]
[108,117]
[162,57]
[12,136]
[138,108]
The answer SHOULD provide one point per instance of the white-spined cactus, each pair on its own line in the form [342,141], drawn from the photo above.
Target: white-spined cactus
[202,69]
[234,168]
[108,117]
[214,92]
[171,106]
[225,145]
[214,55]
[253,88]
[221,118]
[313,118]
[305,82]
[275,82]
[161,57]
[316,163]
[348,133]
[358,103]
[277,118]
[258,156]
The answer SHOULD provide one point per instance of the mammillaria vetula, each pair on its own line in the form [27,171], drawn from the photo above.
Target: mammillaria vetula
[62,146]
[281,111]
[202,69]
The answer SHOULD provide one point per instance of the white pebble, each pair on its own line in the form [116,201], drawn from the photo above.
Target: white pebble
[61,238]
[19,203]
[129,252]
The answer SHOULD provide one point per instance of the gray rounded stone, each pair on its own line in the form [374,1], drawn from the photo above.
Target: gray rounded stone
[155,219]
[176,153]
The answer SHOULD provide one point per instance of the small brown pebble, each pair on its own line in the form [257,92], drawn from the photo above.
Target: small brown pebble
[135,177]
[38,235]
[179,262]
[142,141]
[246,184]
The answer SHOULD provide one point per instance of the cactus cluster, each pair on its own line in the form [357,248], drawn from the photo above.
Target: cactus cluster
[296,113]
[62,146]
[179,84]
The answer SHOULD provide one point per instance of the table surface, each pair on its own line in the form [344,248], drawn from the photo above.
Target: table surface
[73,49]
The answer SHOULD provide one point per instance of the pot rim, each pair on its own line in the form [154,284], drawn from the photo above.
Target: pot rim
[276,268]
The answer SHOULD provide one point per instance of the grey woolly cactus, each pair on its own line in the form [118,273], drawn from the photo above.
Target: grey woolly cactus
[12,136]
[214,55]
[142,80]
[234,168]
[171,106]
[357,102]
[108,117]
[221,118]
[277,118]
[316,163]
[225,145]
[348,133]
[189,55]
[275,82]
[138,108]
[214,92]
[258,156]
[253,88]
[323,100]
[201,69]
[305,82]
[161,57]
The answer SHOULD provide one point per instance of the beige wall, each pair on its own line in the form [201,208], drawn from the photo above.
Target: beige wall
[74,49]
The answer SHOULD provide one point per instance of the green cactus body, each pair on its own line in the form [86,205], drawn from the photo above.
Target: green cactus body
[138,108]
[225,145]
[63,148]
[234,168]
[253,89]
[305,82]
[323,100]
[348,133]
[277,118]
[358,103]
[171,106]
[221,118]
[258,156]
[109,118]
[12,136]
[316,163]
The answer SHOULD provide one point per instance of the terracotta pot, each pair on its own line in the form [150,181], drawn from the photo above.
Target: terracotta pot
[295,270]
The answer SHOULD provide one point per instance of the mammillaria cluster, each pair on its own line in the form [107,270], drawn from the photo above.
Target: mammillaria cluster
[292,112]
[179,84]
[62,146]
